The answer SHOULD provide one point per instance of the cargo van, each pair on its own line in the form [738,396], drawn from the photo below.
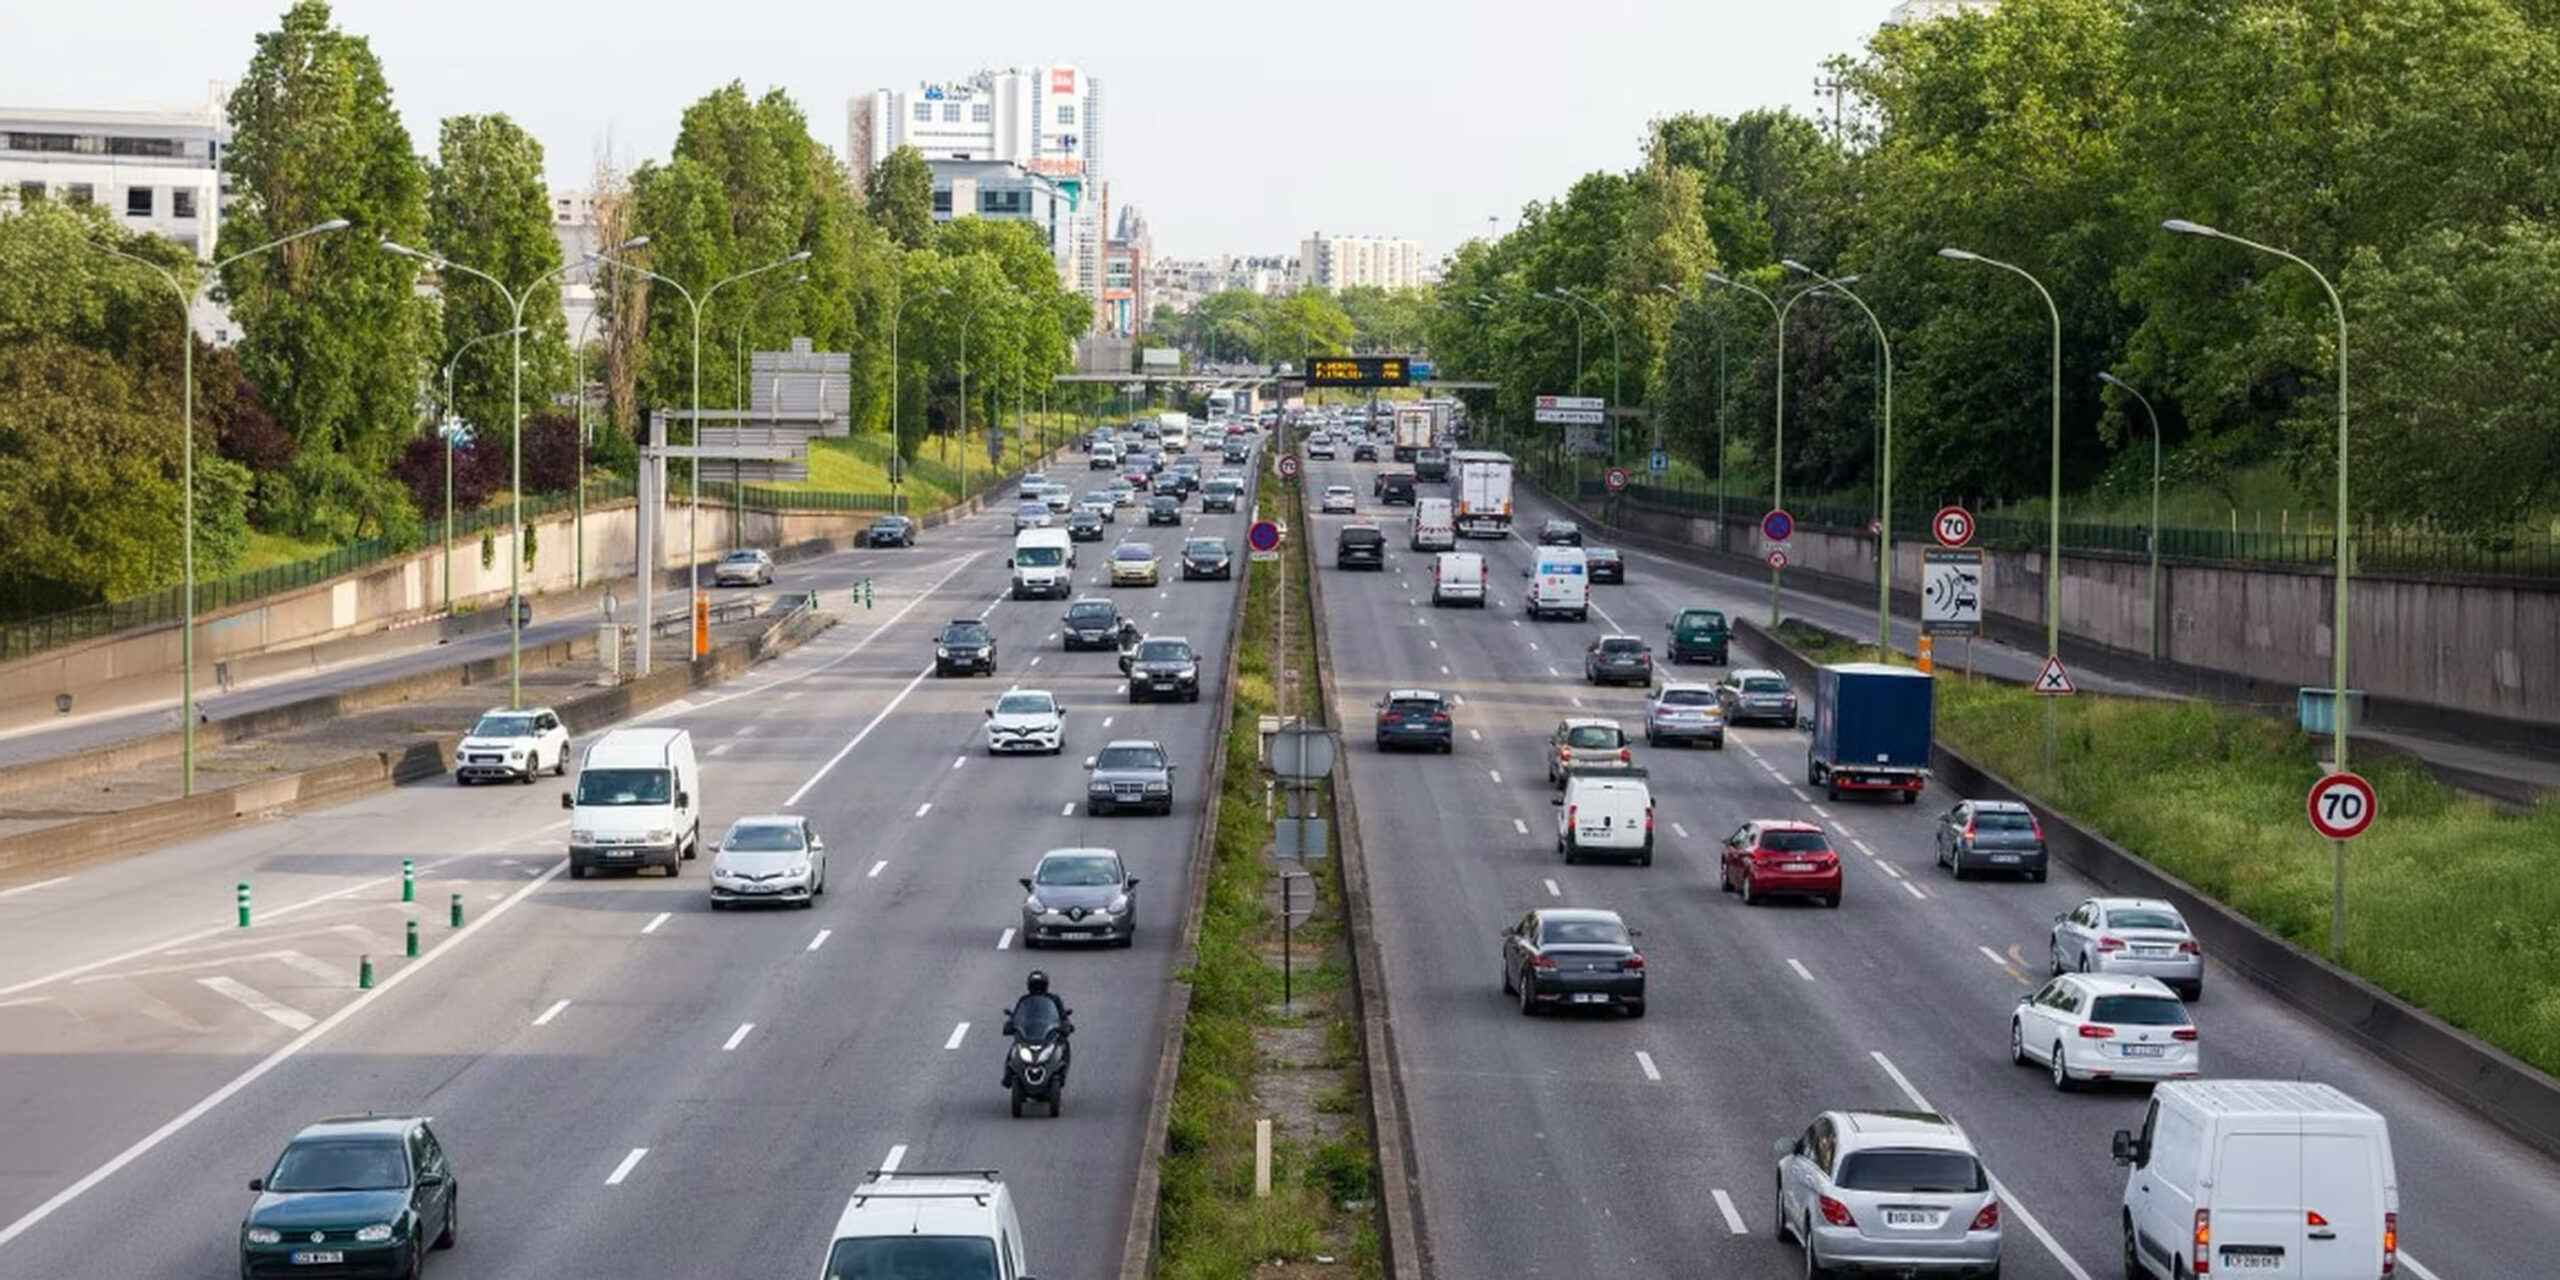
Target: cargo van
[1559,583]
[637,802]
[1608,817]
[1043,564]
[1434,526]
[1457,577]
[2259,1178]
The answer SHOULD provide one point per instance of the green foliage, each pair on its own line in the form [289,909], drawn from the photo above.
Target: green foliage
[487,209]
[898,194]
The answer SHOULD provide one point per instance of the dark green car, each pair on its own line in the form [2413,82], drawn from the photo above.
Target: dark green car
[352,1196]
[1700,635]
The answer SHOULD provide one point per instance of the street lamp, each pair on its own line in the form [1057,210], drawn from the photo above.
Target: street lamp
[2338,623]
[452,420]
[2053,514]
[187,453]
[1778,450]
[2153,414]
[1884,520]
[1615,386]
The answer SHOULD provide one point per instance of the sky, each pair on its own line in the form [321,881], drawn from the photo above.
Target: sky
[1235,127]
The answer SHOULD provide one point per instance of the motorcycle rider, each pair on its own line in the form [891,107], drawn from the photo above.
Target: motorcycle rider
[1036,1016]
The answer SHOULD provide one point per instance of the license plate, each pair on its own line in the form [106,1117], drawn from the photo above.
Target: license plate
[1588,997]
[618,853]
[1910,1218]
[2154,951]
[2253,1258]
[755,888]
[1795,866]
[2004,857]
[318,1257]
[2142,1050]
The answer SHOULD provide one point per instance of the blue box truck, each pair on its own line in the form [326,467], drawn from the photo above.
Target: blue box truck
[1872,725]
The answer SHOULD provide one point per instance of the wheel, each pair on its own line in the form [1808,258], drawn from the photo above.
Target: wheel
[1572,855]
[810,901]
[1017,1102]
[1507,988]
[577,872]
[2192,992]
[1954,863]
[675,868]
[1833,791]
[1058,1100]
[1031,941]
[1812,770]
[1645,859]
[1090,810]
[1724,879]
[560,764]
[1528,997]
[1652,739]
[1778,1211]
[1831,902]
[1749,898]
[2052,957]
[2017,1045]
[2036,875]
[1716,743]
[1813,1268]
[2132,1256]
[452,1217]
[2061,1073]
[531,769]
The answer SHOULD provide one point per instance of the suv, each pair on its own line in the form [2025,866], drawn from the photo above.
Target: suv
[1991,835]
[1320,445]
[1778,856]
[1164,667]
[1587,744]
[1618,659]
[1888,1192]
[513,746]
[1221,494]
[1360,545]
[1755,693]
[1394,488]
[1165,507]
[965,645]
[1684,713]
[1431,465]
[1132,773]
[1414,718]
[929,1222]
[350,1195]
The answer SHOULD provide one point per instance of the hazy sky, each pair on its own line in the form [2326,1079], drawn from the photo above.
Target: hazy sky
[1237,128]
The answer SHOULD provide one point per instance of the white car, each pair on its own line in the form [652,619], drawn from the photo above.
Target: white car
[1102,504]
[772,858]
[2104,1026]
[1319,445]
[1060,498]
[743,568]
[1030,515]
[512,746]
[1026,720]
[1340,498]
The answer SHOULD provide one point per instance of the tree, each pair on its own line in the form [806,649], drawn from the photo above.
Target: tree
[334,332]
[1665,246]
[898,193]
[487,209]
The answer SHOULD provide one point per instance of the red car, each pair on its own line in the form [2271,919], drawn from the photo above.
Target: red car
[1765,859]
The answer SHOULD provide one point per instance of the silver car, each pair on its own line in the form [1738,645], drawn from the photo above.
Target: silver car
[1684,713]
[2144,937]
[1030,515]
[772,858]
[1080,895]
[744,568]
[1895,1192]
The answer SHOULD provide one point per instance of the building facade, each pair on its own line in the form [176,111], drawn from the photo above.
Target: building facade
[1126,266]
[154,171]
[1001,189]
[1350,262]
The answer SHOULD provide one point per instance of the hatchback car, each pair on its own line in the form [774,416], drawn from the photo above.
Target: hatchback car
[772,858]
[891,531]
[1605,564]
[1899,1193]
[1093,623]
[1780,858]
[1320,445]
[1084,526]
[1131,773]
[1757,694]
[1207,558]
[1339,499]
[1587,744]
[1559,533]
[1618,660]
[1164,508]
[1101,503]
[745,568]
[1564,957]
[1164,668]
[2104,1026]
[1415,718]
[1221,493]
[1365,451]
[1026,720]
[1991,835]
[1133,564]
[965,647]
[352,1195]
[2142,936]
[1059,498]
[1360,545]
[1080,895]
[1684,713]
[1030,515]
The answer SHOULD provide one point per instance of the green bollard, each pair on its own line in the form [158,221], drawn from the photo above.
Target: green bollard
[364,973]
[244,904]
[408,880]
[457,911]
[413,937]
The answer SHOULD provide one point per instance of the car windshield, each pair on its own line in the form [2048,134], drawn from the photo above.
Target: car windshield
[1031,509]
[1206,546]
[764,837]
[1039,557]
[1097,497]
[1587,932]
[1763,684]
[1622,648]
[622,786]
[1362,533]
[890,524]
[913,1258]
[1024,704]
[1164,651]
[1912,1172]
[964,633]
[1085,520]
[2139,1011]
[2002,820]
[1085,870]
[1687,698]
[1795,841]
[2145,918]
[1095,611]
[739,557]
[1594,735]
[376,1164]
[503,726]
[1134,553]
[1129,758]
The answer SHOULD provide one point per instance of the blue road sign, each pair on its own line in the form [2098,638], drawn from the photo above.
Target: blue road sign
[1661,464]
[1777,526]
[1263,536]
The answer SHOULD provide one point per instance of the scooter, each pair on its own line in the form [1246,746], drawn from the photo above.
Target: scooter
[1036,1069]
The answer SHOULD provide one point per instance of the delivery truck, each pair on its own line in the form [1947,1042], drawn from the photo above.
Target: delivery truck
[1480,487]
[1872,726]
[1414,431]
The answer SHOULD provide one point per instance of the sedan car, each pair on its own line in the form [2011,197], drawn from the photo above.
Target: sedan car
[1888,1193]
[353,1195]
[2104,1026]
[1755,693]
[1338,498]
[1563,957]
[1124,493]
[512,746]
[1030,515]
[1587,744]
[1132,773]
[1365,451]
[1684,713]
[1618,659]
[1780,857]
[1207,558]
[772,858]
[891,531]
[1094,623]
[1991,835]
[1604,564]
[1221,493]
[1133,564]
[743,568]
[1559,533]
[1165,508]
[1080,895]
[966,646]
[2143,936]
[1101,503]
[1164,667]
[1026,720]
[1415,718]
[1084,526]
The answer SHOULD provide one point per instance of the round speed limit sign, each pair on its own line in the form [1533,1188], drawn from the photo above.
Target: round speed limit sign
[2341,806]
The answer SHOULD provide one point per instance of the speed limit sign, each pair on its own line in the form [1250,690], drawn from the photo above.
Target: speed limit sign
[1954,526]
[2341,806]
[1288,466]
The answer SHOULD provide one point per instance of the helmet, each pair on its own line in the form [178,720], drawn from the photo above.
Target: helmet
[1039,982]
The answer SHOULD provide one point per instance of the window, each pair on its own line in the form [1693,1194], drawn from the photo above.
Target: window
[40,142]
[1914,1172]
[80,193]
[30,192]
[942,201]
[138,202]
[978,113]
[1004,202]
[163,148]
[182,203]
[1066,113]
[951,113]
[924,111]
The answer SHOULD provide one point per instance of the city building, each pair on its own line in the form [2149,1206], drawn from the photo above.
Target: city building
[1005,190]
[1126,296]
[1350,262]
[1910,11]
[1181,283]
[156,171]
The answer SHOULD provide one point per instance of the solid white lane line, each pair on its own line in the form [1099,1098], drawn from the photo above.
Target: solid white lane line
[1497,774]
[721,748]
[897,1156]
[821,939]
[623,1170]
[31,888]
[544,1018]
[275,1010]
[1519,826]
[1553,890]
[1651,1072]
[925,808]
[958,1033]
[876,869]
[747,730]
[1680,831]
[737,1037]
[1732,1216]
[865,732]
[656,920]
[1004,941]
[1798,966]
[1915,891]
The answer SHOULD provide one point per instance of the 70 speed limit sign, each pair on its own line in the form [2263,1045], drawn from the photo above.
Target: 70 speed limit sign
[2341,806]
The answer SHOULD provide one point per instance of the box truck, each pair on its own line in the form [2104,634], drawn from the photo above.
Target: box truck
[1480,487]
[1872,725]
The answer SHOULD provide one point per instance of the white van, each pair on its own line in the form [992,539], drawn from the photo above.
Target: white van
[1457,577]
[2278,1178]
[958,1225]
[1611,817]
[1559,583]
[1043,564]
[1434,526]
[638,802]
[1174,431]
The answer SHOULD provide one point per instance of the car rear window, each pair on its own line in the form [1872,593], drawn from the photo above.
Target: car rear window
[1764,684]
[1687,698]
[1587,932]
[1425,706]
[1362,535]
[1133,553]
[1795,841]
[1595,735]
[1622,646]
[2003,820]
[1912,1172]
[2139,1011]
[2145,918]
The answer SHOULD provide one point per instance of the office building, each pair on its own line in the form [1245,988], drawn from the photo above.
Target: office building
[1351,262]
[1005,190]
[1127,263]
[155,171]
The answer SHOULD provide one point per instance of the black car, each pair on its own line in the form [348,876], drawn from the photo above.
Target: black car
[1574,958]
[891,531]
[1164,667]
[1364,452]
[1221,495]
[1360,545]
[1414,718]
[1559,533]
[1094,624]
[1395,488]
[1084,526]
[1168,484]
[1164,508]
[1604,564]
[350,1196]
[1207,558]
[965,645]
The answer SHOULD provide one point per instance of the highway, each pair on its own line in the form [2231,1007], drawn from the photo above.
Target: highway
[1572,1146]
[628,1083]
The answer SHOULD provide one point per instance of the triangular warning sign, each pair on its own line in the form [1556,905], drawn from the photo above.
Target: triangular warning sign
[2053,679]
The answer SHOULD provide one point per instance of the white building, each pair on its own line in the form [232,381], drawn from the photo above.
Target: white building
[1910,11]
[155,171]
[1349,262]
[573,225]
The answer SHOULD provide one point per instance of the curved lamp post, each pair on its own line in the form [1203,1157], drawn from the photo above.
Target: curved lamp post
[1884,518]
[187,293]
[446,430]
[1778,451]
[2154,415]
[1616,387]
[2053,514]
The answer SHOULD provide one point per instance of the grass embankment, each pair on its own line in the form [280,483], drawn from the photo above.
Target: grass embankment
[1243,1057]
[2451,904]
[860,464]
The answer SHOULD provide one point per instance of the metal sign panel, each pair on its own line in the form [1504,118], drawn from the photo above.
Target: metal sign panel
[1950,592]
[1573,417]
[1302,753]
[1593,403]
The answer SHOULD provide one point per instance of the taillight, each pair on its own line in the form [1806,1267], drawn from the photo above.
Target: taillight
[2201,1263]
[1648,819]
[1386,717]
[1968,830]
[2038,828]
[1625,756]
[2189,948]
[1988,1219]
[1836,1213]
[2183,1033]
[1440,718]
[1570,811]
[2391,1244]
[2110,944]
[1541,962]
[2092,1031]
[1632,964]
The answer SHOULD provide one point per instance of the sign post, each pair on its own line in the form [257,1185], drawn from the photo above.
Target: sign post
[2341,806]
[1288,467]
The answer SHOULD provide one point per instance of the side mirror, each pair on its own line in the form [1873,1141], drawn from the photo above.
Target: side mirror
[1133,882]
[1008,1026]
[1088,762]
[430,1178]
[2126,1150]
[1008,562]
[1026,882]
[1558,802]
[1524,573]
[567,801]
[991,713]
[684,799]
[2060,916]
[260,1184]
[1635,933]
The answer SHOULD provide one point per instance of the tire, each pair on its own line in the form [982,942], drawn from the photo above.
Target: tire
[1652,739]
[1778,1211]
[560,765]
[1528,997]
[2052,959]
[718,905]
[1749,897]
[1645,859]
[1833,791]
[2062,1082]
[1812,771]
[2037,875]
[1831,902]
[1507,988]
[1635,1010]
[1813,1268]
[1017,1102]
[2132,1255]
[452,1218]
[1724,878]
[1717,744]
[676,868]
[1089,810]
[531,771]
[2017,1045]
[1955,864]
[819,890]
[1572,855]
[2192,992]
[577,872]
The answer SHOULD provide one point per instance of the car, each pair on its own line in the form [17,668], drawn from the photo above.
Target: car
[1588,744]
[1605,564]
[1164,508]
[1093,623]
[1573,957]
[352,1195]
[1415,718]
[1164,667]
[1559,533]
[1106,456]
[1339,498]
[1058,498]
[1991,835]
[2088,1027]
[891,531]
[1618,659]
[1229,473]
[512,746]
[1757,694]
[1899,1193]
[1124,492]
[1235,450]
[1360,544]
[1031,485]
[1320,445]
[930,1222]
[1101,503]
[2128,935]
[966,645]
[743,568]
[1080,895]
[1684,713]
[1365,451]
[1084,526]
[771,858]
[1026,720]
[1030,515]
[1606,817]
[1168,484]
[1780,857]
[1221,493]
[1130,773]
[1133,564]
[1699,635]
[1207,558]
[1393,488]
[1138,478]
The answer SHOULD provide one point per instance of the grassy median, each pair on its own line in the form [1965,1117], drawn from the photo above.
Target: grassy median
[2452,904]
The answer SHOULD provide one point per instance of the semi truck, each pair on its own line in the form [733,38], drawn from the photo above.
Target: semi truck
[1480,487]
[1872,726]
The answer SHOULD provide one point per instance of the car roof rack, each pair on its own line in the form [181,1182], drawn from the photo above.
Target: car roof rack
[873,1188]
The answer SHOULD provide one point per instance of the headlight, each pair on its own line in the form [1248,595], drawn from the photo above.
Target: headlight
[661,835]
[940,652]
[1191,671]
[515,753]
[375,1234]
[800,869]
[1099,787]
[1032,904]
[1025,1053]
[262,1235]
[1119,905]
[1154,787]
[580,835]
